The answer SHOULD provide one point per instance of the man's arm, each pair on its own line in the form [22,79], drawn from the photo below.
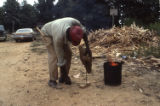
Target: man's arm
[85,38]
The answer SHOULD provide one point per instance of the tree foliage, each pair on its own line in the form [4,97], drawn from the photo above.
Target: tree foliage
[11,8]
[1,15]
[45,10]
[28,15]
[144,10]
[93,14]
[18,16]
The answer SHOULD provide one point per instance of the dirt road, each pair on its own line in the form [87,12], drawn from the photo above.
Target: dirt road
[24,77]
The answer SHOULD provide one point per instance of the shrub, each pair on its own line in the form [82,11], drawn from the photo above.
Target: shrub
[129,21]
[155,26]
[146,51]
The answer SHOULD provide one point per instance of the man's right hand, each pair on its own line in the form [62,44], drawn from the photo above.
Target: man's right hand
[88,52]
[86,58]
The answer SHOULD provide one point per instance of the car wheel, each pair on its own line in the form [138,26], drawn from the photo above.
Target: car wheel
[5,38]
[17,40]
[33,38]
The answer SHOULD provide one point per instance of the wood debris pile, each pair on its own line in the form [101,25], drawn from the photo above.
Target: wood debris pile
[124,37]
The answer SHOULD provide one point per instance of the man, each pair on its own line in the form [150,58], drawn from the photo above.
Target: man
[58,35]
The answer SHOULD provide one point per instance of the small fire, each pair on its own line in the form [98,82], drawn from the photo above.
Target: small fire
[113,64]
[111,61]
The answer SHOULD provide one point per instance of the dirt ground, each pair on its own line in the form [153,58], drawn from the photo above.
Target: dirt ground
[24,76]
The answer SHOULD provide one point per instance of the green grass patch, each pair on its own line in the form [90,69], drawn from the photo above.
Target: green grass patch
[149,51]
[144,51]
[155,26]
[38,47]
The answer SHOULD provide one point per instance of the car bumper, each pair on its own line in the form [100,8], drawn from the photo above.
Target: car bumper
[2,38]
[21,37]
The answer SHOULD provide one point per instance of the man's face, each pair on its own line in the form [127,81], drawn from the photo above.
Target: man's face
[75,34]
[76,43]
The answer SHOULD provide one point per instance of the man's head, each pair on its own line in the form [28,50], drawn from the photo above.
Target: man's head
[75,35]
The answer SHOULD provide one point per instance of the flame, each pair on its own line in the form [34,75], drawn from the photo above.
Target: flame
[111,61]
[113,64]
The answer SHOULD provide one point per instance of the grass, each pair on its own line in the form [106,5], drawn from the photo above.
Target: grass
[38,47]
[144,51]
[155,26]
[149,51]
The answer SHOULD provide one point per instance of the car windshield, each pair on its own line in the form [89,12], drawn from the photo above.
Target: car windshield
[1,27]
[24,31]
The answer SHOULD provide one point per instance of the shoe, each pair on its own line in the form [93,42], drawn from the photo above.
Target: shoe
[63,75]
[52,83]
[61,80]
[68,80]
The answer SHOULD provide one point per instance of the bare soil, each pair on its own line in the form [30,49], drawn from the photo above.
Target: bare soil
[24,76]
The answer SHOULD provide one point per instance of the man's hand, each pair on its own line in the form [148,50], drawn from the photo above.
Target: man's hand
[86,58]
[88,52]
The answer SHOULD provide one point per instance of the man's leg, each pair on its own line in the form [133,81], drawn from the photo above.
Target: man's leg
[64,78]
[62,74]
[52,62]
[68,58]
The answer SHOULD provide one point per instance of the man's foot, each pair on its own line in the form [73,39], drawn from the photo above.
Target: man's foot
[52,83]
[61,80]
[68,80]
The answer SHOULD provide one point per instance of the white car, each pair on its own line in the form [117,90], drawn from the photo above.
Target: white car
[24,34]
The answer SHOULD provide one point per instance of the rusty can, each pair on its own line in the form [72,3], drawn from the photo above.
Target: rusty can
[113,73]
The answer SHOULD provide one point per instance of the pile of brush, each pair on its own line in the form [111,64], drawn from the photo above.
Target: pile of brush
[125,36]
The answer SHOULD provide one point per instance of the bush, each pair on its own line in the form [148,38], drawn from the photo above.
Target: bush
[129,21]
[147,51]
[155,26]
[152,26]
